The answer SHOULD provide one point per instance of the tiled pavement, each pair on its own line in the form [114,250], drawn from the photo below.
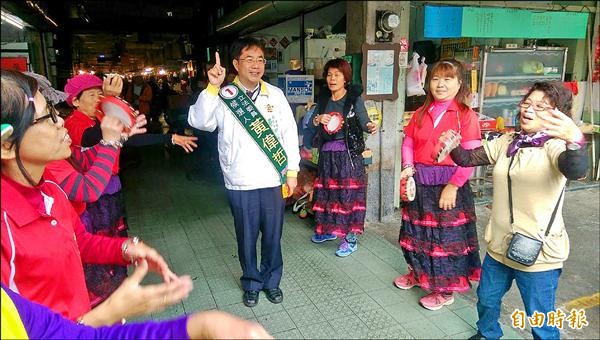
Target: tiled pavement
[178,206]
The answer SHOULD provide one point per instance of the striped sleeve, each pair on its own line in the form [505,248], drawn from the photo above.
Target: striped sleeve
[84,157]
[88,185]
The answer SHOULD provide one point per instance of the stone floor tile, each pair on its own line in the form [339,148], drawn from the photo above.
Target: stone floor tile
[238,309]
[424,329]
[333,309]
[368,283]
[305,315]
[265,307]
[450,323]
[468,314]
[228,297]
[377,319]
[385,296]
[361,303]
[394,332]
[321,330]
[276,322]
[290,334]
[349,327]
[294,298]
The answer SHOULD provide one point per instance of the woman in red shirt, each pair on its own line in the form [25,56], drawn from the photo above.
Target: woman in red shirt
[438,234]
[43,240]
[105,214]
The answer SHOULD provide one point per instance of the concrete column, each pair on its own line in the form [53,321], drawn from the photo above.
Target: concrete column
[383,179]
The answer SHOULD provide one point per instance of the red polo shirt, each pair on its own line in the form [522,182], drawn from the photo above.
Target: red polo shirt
[44,244]
[426,136]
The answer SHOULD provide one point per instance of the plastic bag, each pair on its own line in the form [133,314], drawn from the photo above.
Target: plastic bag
[414,83]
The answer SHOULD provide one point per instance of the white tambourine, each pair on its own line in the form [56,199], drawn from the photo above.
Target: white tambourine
[445,145]
[119,108]
[408,189]
[335,123]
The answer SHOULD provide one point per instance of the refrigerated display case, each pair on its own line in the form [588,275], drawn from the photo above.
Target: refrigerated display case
[508,73]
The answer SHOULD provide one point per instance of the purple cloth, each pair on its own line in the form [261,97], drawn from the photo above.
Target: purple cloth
[334,145]
[42,323]
[114,185]
[433,174]
[523,140]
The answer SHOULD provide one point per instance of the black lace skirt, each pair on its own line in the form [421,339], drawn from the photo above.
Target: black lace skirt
[339,194]
[441,246]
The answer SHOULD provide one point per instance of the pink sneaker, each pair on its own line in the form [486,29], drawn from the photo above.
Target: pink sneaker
[406,281]
[435,301]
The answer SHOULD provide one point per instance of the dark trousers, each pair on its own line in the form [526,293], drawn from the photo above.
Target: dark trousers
[254,211]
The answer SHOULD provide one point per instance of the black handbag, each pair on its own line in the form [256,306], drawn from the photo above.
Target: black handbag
[524,249]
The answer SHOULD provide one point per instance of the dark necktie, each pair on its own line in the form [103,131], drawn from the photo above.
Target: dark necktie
[250,95]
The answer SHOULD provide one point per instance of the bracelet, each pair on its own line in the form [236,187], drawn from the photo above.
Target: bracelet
[114,143]
[316,120]
[125,248]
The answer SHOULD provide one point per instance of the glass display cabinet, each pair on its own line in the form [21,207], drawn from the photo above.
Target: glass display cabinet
[507,74]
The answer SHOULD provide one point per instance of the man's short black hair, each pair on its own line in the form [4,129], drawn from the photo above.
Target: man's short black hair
[240,44]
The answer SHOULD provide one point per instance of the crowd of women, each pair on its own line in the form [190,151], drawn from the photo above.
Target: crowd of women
[64,240]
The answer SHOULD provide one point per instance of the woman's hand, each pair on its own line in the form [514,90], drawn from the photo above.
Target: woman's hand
[132,299]
[139,127]
[220,325]
[186,142]
[448,197]
[112,85]
[559,125]
[323,119]
[407,172]
[111,128]
[372,127]
[156,263]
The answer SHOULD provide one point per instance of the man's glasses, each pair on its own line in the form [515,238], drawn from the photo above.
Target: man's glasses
[537,107]
[250,60]
[52,114]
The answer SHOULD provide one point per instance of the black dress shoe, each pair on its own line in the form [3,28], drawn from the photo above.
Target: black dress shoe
[251,298]
[275,295]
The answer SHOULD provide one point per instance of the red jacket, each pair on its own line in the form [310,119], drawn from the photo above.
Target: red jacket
[77,123]
[425,137]
[44,244]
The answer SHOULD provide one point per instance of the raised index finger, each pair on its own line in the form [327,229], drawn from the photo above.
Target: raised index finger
[217,59]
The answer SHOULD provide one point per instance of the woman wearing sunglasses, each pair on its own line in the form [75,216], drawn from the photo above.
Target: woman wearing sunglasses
[44,242]
[531,168]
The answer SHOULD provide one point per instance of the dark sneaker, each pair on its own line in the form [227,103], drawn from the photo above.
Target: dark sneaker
[316,238]
[251,298]
[275,295]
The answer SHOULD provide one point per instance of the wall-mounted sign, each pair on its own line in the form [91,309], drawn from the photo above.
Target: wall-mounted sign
[489,22]
[299,88]
[380,71]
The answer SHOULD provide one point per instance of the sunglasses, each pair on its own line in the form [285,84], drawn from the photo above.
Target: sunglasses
[51,113]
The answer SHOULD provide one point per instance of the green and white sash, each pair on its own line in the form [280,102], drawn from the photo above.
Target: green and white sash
[244,110]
